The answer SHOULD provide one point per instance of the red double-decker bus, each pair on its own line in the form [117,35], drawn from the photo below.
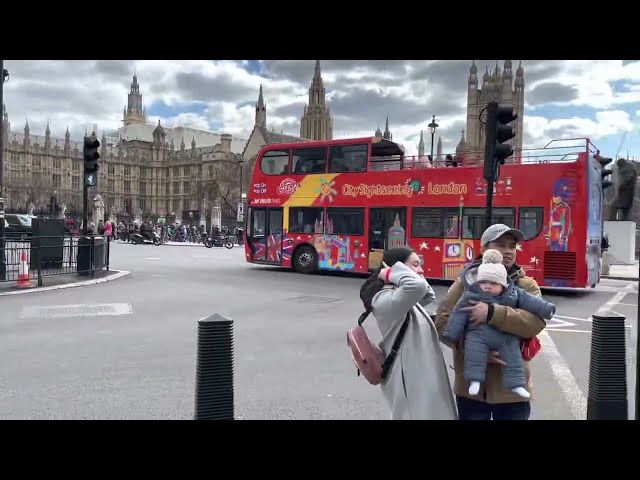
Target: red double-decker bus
[336,205]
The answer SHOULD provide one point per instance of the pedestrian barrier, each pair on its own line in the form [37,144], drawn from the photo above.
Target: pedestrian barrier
[47,256]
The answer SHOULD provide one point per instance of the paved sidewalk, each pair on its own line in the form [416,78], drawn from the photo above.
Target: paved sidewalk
[58,282]
[623,272]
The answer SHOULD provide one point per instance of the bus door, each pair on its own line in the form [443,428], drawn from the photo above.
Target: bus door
[386,230]
[265,234]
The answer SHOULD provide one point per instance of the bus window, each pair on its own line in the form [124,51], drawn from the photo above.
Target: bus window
[451,222]
[474,220]
[309,160]
[503,215]
[305,220]
[275,162]
[434,222]
[345,221]
[530,221]
[348,158]
[258,223]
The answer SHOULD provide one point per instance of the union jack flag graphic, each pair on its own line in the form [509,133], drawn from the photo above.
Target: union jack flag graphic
[279,248]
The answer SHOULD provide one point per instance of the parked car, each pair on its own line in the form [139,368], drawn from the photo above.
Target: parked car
[17,226]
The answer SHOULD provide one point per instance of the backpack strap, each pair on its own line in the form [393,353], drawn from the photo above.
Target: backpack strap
[396,345]
[363,317]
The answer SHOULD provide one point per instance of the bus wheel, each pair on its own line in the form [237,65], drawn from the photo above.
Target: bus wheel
[305,259]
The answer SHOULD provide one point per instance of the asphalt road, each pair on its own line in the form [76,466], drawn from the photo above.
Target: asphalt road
[291,357]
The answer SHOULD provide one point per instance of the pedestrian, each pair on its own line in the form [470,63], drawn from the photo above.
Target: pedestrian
[493,399]
[417,385]
[108,230]
[492,286]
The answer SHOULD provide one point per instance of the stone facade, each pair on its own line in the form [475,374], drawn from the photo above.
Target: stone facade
[387,135]
[497,85]
[316,122]
[139,177]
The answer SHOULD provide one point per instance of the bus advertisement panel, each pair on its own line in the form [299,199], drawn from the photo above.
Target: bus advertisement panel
[337,205]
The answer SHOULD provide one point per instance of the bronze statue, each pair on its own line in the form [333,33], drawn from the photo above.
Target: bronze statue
[625,189]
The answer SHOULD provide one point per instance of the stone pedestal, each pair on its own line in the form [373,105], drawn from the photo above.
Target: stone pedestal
[622,241]
[98,209]
[216,216]
[113,215]
[605,263]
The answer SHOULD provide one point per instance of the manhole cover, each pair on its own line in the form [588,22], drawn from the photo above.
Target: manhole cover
[314,299]
[59,311]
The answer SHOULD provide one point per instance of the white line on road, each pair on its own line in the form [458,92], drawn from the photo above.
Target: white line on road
[200,256]
[152,258]
[557,322]
[572,318]
[564,378]
[617,298]
[62,311]
[568,330]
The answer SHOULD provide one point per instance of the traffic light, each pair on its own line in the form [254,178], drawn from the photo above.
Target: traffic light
[91,156]
[497,132]
[605,172]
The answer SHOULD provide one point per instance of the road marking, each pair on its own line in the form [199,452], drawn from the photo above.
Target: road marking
[563,377]
[569,330]
[617,298]
[200,256]
[572,318]
[152,258]
[62,311]
[629,304]
[557,322]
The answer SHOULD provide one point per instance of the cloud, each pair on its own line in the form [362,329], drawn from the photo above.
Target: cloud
[588,98]
[539,130]
[549,92]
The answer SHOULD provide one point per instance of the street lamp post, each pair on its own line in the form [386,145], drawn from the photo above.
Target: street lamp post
[5,77]
[241,162]
[433,125]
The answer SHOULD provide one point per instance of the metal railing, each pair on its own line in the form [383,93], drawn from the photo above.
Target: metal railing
[48,256]
[556,151]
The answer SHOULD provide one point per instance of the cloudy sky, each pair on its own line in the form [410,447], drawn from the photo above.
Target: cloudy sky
[599,99]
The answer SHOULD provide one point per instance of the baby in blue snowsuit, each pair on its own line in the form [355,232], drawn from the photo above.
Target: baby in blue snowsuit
[492,285]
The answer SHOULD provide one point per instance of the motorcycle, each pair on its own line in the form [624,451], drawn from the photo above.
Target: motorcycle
[138,239]
[219,241]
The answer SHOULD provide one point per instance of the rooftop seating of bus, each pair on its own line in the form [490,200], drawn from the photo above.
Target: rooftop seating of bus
[566,150]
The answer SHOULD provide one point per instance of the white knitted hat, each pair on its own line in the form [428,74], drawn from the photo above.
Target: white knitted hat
[492,269]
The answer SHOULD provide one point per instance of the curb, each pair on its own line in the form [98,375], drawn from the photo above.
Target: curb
[609,277]
[110,278]
[181,244]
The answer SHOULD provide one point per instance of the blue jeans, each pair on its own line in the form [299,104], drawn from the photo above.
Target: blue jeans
[469,409]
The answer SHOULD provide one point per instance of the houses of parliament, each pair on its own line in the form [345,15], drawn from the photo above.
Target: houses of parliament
[147,170]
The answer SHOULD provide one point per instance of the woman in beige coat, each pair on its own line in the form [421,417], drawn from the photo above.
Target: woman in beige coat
[417,385]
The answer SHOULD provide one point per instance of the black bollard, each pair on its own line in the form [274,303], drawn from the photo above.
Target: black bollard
[608,369]
[214,369]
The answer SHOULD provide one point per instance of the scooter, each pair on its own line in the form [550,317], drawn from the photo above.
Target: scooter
[138,239]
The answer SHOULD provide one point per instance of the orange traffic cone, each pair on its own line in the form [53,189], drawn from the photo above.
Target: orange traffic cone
[23,272]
